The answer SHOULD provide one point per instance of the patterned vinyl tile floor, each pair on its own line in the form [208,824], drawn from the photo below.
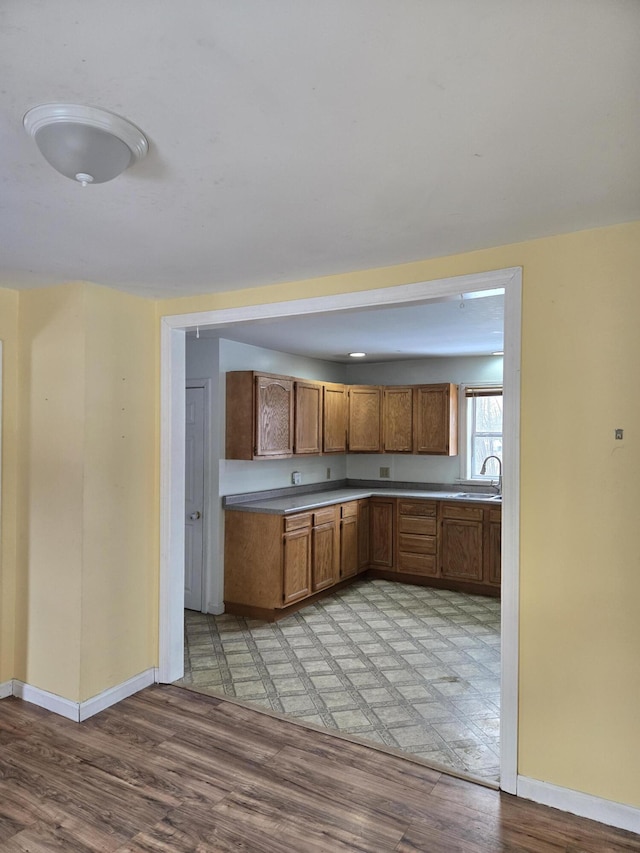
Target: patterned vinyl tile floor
[414,668]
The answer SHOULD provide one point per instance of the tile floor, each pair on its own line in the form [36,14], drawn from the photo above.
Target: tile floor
[414,668]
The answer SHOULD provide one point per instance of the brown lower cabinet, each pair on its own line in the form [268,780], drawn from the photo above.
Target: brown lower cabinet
[417,543]
[296,558]
[348,540]
[324,549]
[462,542]
[494,545]
[470,545]
[364,548]
[381,512]
[275,563]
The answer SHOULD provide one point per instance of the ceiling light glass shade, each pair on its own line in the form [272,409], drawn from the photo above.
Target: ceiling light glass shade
[85,144]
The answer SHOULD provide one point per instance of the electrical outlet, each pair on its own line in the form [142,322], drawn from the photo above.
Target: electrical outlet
[296,478]
[384,472]
[328,473]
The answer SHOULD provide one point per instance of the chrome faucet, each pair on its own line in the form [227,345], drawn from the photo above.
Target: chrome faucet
[483,471]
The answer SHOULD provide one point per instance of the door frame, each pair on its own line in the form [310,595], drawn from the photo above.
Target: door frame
[205,581]
[172,429]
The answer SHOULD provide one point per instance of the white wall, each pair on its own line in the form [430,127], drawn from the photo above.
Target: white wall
[481,368]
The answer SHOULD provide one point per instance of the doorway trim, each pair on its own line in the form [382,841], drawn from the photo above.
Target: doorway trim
[172,436]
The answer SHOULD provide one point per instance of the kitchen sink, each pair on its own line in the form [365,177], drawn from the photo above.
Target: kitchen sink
[485,496]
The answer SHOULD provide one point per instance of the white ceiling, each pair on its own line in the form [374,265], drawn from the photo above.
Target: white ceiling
[467,325]
[296,138]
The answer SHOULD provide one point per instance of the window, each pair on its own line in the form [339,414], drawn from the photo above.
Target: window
[483,431]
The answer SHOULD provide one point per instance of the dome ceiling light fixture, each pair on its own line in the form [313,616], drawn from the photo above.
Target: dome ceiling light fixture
[86,144]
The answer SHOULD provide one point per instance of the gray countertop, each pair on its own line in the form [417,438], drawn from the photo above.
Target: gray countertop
[300,503]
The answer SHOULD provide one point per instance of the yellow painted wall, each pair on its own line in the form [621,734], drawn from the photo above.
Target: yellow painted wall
[9,338]
[86,575]
[120,532]
[87,600]
[51,424]
[580,549]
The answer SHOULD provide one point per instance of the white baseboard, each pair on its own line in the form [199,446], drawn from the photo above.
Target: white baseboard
[116,694]
[79,711]
[215,609]
[584,805]
[44,699]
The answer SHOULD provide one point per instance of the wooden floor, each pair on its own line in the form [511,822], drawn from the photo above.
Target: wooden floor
[174,770]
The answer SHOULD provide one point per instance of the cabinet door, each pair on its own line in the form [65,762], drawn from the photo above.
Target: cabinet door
[397,420]
[334,423]
[274,416]
[348,546]
[324,549]
[364,419]
[381,525]
[495,552]
[296,564]
[461,549]
[363,535]
[308,417]
[436,419]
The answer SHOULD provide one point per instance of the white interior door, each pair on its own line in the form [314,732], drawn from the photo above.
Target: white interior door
[194,499]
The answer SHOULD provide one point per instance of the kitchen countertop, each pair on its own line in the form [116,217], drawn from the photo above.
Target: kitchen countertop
[300,503]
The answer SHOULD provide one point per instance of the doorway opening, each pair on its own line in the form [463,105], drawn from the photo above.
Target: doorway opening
[172,482]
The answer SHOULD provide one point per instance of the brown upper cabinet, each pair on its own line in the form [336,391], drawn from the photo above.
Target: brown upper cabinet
[435,420]
[364,419]
[275,417]
[307,417]
[397,419]
[259,415]
[334,428]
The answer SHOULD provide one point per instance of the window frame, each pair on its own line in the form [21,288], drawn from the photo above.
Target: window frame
[465,408]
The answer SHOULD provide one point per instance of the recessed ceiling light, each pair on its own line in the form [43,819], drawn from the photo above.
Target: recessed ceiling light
[500,352]
[357,354]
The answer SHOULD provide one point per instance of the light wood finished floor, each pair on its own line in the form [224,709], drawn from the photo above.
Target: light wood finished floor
[174,770]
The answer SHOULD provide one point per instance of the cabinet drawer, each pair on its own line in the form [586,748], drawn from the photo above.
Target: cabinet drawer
[417,508]
[295,522]
[495,515]
[417,564]
[416,544]
[410,524]
[347,510]
[462,511]
[324,516]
